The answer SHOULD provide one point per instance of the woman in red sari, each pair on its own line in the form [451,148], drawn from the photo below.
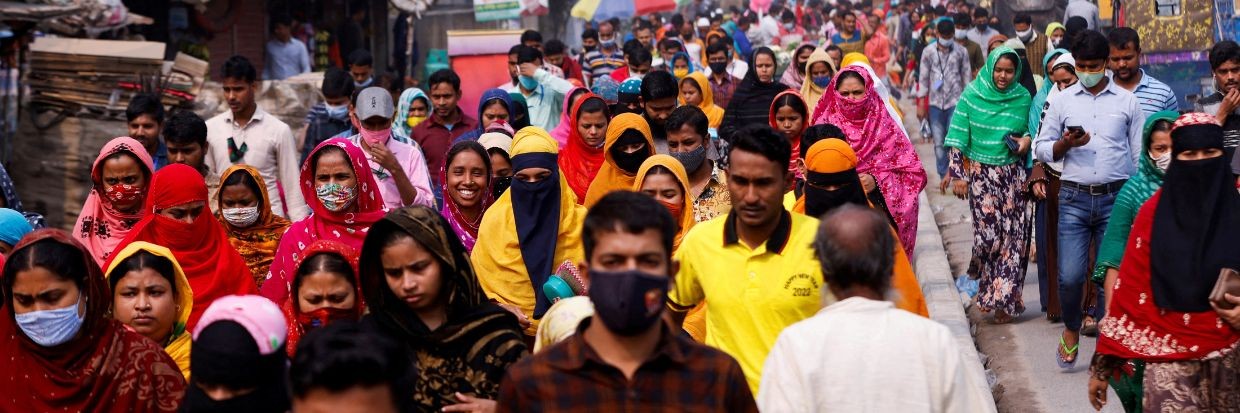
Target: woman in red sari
[120,178]
[1160,311]
[93,364]
[180,220]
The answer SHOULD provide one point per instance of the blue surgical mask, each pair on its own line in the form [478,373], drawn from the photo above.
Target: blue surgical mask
[822,81]
[1090,79]
[527,82]
[50,328]
[946,43]
[365,84]
[337,112]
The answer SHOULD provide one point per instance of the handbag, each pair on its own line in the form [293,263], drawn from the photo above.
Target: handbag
[1228,283]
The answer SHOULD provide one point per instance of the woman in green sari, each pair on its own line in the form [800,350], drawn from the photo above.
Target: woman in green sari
[1156,142]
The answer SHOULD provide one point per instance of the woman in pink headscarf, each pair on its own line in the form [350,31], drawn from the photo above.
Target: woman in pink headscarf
[564,129]
[120,177]
[886,158]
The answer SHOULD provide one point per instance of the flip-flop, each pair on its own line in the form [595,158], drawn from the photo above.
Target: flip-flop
[1070,351]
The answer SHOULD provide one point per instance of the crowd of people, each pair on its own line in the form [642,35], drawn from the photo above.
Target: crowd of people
[556,248]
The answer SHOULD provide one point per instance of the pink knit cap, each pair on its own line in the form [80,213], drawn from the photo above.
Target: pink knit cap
[261,317]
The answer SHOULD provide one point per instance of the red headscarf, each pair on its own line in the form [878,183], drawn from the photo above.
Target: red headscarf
[579,162]
[292,311]
[99,227]
[348,228]
[796,144]
[212,265]
[104,368]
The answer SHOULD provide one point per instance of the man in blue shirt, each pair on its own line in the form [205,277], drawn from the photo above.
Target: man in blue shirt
[1094,128]
[329,118]
[286,56]
[145,119]
[1125,65]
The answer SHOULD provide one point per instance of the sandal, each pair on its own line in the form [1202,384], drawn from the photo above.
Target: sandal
[1002,317]
[1066,364]
[1089,328]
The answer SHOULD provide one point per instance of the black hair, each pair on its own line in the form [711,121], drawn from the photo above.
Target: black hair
[238,67]
[1022,18]
[139,261]
[554,46]
[1123,38]
[1090,45]
[314,159]
[818,132]
[641,25]
[1223,52]
[762,140]
[689,115]
[241,178]
[615,23]
[659,84]
[630,46]
[145,104]
[526,54]
[631,212]
[1073,27]
[793,101]
[638,56]
[946,28]
[531,36]
[1014,58]
[788,15]
[940,10]
[185,127]
[716,47]
[980,12]
[342,355]
[1161,125]
[361,57]
[593,104]
[854,245]
[329,262]
[449,77]
[63,260]
[281,19]
[678,20]
[834,48]
[469,146]
[848,74]
[588,34]
[336,83]
[962,19]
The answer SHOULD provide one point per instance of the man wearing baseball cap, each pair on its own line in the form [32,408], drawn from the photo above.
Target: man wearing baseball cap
[399,167]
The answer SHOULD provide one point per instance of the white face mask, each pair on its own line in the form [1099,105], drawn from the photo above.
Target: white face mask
[241,217]
[1025,35]
[1162,162]
[50,328]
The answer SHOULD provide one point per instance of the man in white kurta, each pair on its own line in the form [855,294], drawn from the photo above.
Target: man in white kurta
[861,354]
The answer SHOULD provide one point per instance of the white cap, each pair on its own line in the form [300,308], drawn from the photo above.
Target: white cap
[703,22]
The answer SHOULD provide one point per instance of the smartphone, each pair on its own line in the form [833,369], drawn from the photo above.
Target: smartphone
[1076,130]
[1012,144]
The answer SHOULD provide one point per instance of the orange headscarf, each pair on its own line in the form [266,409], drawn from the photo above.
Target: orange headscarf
[610,177]
[833,156]
[256,243]
[686,219]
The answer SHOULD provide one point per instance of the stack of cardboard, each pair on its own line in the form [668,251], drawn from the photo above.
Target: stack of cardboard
[101,76]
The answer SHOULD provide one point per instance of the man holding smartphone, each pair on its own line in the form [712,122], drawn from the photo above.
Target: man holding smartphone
[1094,127]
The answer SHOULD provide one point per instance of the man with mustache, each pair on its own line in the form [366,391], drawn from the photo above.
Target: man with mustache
[1225,63]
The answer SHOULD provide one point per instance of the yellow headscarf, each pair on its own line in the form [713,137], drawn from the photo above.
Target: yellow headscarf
[833,156]
[561,321]
[497,253]
[686,219]
[714,113]
[610,177]
[809,91]
[179,341]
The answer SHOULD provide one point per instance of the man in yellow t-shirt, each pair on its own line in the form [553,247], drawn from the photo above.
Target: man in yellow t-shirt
[755,266]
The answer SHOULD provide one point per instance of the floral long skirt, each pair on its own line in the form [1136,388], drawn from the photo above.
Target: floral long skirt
[1194,386]
[1001,222]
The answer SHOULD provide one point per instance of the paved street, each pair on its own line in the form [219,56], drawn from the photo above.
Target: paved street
[1021,354]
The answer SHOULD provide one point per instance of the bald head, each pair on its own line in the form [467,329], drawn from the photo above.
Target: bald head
[854,245]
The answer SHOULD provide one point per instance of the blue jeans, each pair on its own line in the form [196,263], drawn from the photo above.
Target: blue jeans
[940,120]
[1082,221]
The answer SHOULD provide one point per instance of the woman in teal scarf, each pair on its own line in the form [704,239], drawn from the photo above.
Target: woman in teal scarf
[1156,140]
[403,123]
[994,109]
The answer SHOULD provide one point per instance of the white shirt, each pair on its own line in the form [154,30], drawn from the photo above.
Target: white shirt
[862,355]
[270,148]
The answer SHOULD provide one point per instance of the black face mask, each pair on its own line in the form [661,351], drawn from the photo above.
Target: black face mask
[499,185]
[819,201]
[719,67]
[629,162]
[628,302]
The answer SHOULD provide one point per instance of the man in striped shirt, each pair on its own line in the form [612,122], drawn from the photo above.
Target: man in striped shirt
[1125,64]
[608,57]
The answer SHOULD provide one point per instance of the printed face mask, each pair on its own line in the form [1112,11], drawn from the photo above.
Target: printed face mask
[335,197]
[692,160]
[1162,162]
[241,217]
[123,193]
[499,185]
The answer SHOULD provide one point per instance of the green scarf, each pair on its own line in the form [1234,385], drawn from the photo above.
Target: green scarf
[986,114]
[1136,191]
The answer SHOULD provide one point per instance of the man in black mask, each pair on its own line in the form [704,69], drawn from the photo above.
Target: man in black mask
[659,93]
[628,254]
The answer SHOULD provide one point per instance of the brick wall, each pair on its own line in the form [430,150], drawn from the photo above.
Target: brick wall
[246,38]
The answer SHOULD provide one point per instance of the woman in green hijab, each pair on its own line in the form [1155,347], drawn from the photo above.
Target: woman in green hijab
[1156,142]
[989,138]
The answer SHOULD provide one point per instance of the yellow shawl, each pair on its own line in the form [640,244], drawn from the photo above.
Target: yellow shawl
[610,177]
[497,253]
[714,113]
[179,341]
[809,91]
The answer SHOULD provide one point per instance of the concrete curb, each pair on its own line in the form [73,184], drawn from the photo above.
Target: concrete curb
[939,287]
